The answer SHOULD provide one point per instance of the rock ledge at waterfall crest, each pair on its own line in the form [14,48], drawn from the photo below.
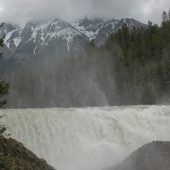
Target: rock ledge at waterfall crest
[14,156]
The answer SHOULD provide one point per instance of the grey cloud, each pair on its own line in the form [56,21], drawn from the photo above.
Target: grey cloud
[20,11]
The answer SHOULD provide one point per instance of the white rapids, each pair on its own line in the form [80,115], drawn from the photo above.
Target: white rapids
[87,138]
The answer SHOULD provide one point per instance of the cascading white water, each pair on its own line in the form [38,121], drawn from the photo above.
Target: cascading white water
[87,138]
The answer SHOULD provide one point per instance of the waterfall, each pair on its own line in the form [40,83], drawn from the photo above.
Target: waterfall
[87,138]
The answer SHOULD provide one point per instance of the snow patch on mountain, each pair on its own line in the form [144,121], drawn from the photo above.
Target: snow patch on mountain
[89,34]
[89,27]
[12,38]
[17,41]
[7,38]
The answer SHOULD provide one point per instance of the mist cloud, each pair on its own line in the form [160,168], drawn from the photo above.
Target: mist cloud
[20,11]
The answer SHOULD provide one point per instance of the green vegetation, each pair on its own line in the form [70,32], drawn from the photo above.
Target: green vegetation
[3,92]
[141,62]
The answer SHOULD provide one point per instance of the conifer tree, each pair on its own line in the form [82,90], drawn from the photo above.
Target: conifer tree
[169,15]
[164,17]
[3,90]
[3,85]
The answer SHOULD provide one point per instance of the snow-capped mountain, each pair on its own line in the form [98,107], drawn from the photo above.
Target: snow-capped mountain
[43,32]
[58,35]
[100,29]
[38,35]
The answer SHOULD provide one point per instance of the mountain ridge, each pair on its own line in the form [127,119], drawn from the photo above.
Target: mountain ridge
[40,33]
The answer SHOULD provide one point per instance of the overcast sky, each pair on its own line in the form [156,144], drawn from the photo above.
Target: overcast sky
[20,11]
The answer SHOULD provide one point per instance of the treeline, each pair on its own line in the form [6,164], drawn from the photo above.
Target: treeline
[141,62]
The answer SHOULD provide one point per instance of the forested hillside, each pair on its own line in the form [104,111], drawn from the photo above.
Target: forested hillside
[141,62]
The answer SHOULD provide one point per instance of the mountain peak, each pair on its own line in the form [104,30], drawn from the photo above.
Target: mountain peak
[101,28]
[41,33]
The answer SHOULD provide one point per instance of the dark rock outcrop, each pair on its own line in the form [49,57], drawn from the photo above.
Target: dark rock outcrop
[14,156]
[153,156]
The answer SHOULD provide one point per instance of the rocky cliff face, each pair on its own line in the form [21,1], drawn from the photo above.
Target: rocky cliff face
[153,156]
[14,156]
